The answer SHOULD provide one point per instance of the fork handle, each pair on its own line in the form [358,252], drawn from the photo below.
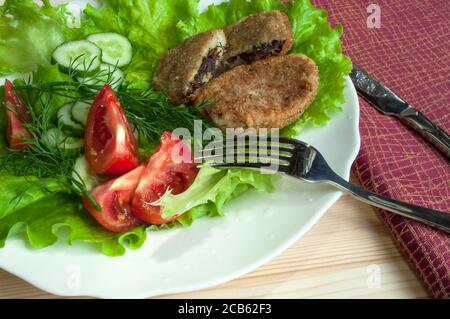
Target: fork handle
[428,216]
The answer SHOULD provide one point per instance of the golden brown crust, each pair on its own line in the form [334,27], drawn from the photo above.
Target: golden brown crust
[258,29]
[180,65]
[270,93]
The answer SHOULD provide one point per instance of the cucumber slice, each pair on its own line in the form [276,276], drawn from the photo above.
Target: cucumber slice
[84,174]
[81,56]
[68,125]
[116,49]
[73,144]
[56,138]
[107,74]
[80,112]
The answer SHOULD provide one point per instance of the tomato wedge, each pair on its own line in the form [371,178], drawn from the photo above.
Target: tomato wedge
[16,115]
[110,144]
[114,197]
[162,173]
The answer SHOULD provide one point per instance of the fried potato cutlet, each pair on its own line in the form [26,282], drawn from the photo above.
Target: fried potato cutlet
[257,37]
[270,93]
[187,67]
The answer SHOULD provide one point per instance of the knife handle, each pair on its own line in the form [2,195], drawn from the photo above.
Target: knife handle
[431,132]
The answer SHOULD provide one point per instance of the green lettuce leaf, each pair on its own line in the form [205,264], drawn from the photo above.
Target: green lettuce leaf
[151,27]
[212,189]
[40,208]
[29,33]
[17,192]
[51,73]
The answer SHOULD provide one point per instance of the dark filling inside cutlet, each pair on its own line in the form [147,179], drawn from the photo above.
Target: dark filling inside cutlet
[258,52]
[208,65]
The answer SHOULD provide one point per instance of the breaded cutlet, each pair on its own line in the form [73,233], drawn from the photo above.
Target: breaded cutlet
[270,93]
[257,37]
[187,67]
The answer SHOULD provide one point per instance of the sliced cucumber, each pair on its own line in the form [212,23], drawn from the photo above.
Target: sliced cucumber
[106,74]
[73,143]
[68,125]
[54,138]
[80,112]
[116,49]
[84,174]
[81,56]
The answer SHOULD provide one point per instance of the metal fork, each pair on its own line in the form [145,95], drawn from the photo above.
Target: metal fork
[302,161]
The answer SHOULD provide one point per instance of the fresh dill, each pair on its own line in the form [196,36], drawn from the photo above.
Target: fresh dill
[43,159]
[149,111]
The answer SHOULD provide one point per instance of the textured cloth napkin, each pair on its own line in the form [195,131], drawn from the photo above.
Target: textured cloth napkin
[409,53]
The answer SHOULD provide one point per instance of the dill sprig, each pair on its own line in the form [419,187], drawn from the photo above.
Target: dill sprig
[149,111]
[44,159]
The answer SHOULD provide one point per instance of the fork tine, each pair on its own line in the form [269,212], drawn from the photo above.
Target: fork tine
[232,144]
[264,139]
[240,165]
[257,148]
[280,160]
[254,166]
[291,155]
[246,149]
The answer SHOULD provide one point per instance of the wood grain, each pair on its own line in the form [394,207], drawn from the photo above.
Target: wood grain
[334,260]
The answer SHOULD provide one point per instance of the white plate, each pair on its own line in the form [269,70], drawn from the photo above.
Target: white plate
[256,228]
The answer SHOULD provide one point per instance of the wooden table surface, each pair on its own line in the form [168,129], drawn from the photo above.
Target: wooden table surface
[347,254]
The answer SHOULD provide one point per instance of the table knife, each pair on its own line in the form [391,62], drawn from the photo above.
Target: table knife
[388,103]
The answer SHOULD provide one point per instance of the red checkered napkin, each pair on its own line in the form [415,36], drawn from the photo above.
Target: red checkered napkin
[410,53]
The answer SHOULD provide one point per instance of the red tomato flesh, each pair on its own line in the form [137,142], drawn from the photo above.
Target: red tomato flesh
[110,144]
[114,197]
[16,115]
[163,173]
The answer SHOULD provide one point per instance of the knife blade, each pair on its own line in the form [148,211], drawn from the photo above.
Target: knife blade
[388,103]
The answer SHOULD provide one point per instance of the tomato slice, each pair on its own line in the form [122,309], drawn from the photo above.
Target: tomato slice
[16,115]
[162,173]
[110,144]
[114,197]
